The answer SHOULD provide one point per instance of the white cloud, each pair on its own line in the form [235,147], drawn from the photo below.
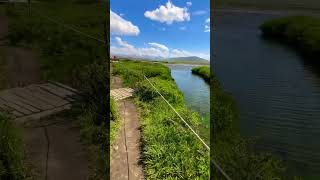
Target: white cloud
[168,14]
[152,51]
[199,12]
[207,25]
[183,53]
[120,26]
[160,46]
[189,3]
[183,28]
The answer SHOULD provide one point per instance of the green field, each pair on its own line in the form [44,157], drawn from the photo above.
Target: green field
[170,150]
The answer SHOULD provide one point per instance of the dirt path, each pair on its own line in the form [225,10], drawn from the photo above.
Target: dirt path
[53,143]
[126,152]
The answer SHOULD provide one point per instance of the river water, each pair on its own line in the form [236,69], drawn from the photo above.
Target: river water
[195,89]
[278,93]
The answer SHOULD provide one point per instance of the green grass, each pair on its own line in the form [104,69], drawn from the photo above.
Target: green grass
[170,150]
[64,52]
[115,121]
[203,71]
[301,32]
[12,154]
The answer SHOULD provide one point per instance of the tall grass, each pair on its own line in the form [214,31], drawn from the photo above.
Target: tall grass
[302,32]
[170,150]
[12,154]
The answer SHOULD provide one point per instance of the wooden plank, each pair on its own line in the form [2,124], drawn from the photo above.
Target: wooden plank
[52,99]
[16,107]
[65,86]
[17,100]
[60,94]
[43,113]
[24,93]
[68,92]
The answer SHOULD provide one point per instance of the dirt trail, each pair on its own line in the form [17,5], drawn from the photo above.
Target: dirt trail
[126,152]
[53,143]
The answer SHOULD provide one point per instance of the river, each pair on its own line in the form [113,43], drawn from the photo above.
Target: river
[277,91]
[195,89]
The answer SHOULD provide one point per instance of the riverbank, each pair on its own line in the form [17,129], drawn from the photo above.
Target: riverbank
[169,148]
[202,71]
[300,32]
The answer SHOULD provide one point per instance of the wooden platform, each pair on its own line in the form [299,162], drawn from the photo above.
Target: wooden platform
[36,101]
[121,93]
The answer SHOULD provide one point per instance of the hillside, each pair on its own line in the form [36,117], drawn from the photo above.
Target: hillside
[187,60]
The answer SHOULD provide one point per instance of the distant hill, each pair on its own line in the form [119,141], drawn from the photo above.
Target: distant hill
[187,60]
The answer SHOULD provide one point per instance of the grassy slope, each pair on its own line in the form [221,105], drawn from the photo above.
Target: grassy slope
[203,71]
[170,149]
[301,32]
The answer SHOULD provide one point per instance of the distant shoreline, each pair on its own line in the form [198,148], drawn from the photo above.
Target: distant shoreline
[267,11]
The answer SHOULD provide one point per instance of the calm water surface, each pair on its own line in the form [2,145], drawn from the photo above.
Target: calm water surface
[194,88]
[278,93]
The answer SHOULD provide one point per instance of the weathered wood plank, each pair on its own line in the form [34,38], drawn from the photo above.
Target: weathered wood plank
[52,99]
[60,94]
[24,93]
[58,88]
[16,107]
[65,87]
[17,100]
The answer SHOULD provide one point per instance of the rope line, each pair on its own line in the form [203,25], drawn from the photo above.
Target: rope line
[208,148]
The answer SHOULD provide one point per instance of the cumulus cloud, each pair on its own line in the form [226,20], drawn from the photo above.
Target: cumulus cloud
[183,53]
[160,46]
[152,51]
[168,14]
[207,25]
[120,26]
[189,3]
[123,48]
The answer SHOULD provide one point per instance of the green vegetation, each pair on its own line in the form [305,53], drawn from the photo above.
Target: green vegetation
[301,32]
[73,59]
[233,153]
[270,4]
[64,52]
[115,122]
[170,150]
[203,71]
[12,156]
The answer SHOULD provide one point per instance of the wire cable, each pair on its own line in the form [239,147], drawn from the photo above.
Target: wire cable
[208,148]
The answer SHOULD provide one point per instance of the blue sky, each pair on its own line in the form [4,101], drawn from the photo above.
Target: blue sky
[160,28]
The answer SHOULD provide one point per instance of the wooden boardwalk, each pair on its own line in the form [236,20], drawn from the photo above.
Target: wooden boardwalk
[36,101]
[121,93]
